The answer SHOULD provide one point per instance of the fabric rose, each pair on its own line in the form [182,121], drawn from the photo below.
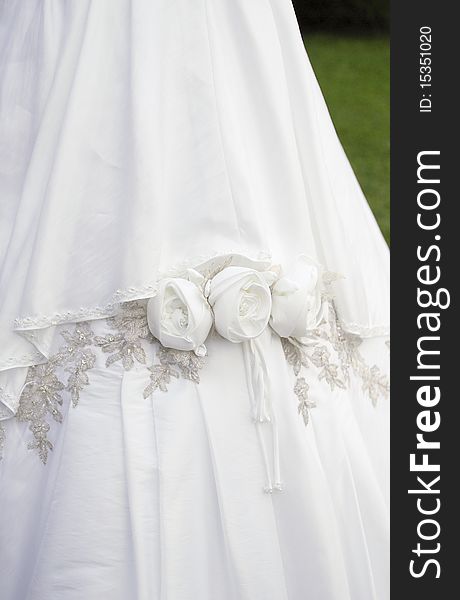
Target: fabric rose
[179,315]
[297,305]
[241,301]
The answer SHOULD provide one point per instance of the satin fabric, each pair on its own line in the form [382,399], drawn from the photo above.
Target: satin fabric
[137,136]
[158,498]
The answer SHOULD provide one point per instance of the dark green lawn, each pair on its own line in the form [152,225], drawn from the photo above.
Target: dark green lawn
[354,75]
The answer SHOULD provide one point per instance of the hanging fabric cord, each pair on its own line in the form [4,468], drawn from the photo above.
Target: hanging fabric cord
[263,411]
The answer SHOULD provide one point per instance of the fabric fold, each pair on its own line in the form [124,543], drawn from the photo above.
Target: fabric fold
[146,465]
[181,132]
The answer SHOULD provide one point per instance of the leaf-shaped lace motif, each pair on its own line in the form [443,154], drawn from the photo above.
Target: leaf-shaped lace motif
[44,391]
[173,363]
[2,439]
[305,403]
[327,340]
[125,344]
[332,353]
[42,397]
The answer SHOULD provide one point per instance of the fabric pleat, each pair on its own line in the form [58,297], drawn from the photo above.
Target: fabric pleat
[162,496]
[162,134]
[141,139]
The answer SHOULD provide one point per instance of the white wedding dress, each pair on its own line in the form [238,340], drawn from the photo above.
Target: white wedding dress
[144,141]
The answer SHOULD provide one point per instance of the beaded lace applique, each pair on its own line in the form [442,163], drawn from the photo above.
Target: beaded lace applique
[173,363]
[329,350]
[44,391]
[2,438]
[125,343]
[333,353]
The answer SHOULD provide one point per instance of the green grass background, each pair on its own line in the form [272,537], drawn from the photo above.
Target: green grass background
[354,75]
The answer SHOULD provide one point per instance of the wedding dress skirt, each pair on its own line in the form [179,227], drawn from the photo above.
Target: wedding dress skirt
[157,492]
[161,164]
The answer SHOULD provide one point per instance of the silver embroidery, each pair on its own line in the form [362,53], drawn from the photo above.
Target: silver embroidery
[188,363]
[327,369]
[328,339]
[333,353]
[374,382]
[160,377]
[130,327]
[78,378]
[42,396]
[305,403]
[44,392]
[2,439]
[295,355]
[77,358]
[173,363]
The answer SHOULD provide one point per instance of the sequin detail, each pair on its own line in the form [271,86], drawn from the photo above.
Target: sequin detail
[334,354]
[124,344]
[305,402]
[173,363]
[43,393]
